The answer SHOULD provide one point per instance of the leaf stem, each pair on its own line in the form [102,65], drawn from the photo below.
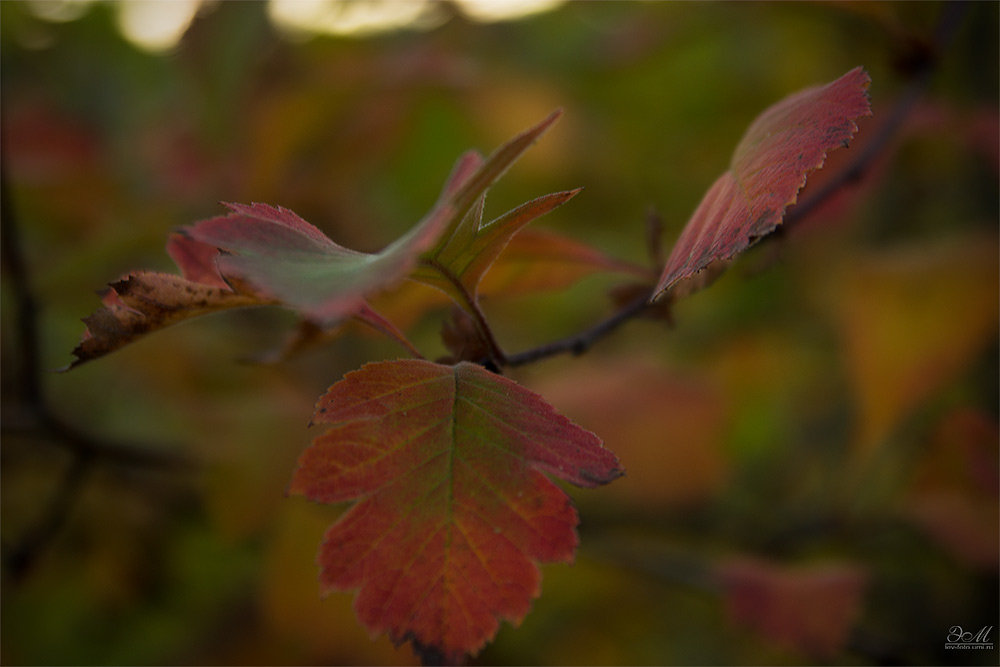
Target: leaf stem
[469,302]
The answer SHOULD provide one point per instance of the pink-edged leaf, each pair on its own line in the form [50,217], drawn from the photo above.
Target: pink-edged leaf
[260,253]
[452,511]
[768,168]
[284,256]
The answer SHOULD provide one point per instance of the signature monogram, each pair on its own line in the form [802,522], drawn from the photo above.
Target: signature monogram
[960,639]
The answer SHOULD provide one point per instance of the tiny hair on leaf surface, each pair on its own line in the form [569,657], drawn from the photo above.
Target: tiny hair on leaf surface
[768,168]
[453,511]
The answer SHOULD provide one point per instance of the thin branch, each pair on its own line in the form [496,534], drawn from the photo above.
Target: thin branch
[26,307]
[19,558]
[583,341]
[39,419]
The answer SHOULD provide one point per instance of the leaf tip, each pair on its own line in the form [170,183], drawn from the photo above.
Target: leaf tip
[600,479]
[549,121]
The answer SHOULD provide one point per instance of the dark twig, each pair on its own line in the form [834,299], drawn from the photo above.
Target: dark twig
[583,341]
[18,559]
[39,419]
[27,310]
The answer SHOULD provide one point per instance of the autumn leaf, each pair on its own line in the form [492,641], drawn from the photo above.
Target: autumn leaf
[453,511]
[535,260]
[768,168]
[143,302]
[459,265]
[283,255]
[902,342]
[810,608]
[955,488]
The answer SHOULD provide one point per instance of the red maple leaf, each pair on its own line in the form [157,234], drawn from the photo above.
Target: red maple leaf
[453,511]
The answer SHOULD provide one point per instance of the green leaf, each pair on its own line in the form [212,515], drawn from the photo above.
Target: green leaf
[457,263]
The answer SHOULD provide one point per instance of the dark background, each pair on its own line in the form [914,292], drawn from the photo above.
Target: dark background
[811,449]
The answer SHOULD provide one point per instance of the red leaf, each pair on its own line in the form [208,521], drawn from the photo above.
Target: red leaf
[452,511]
[261,254]
[769,167]
[809,609]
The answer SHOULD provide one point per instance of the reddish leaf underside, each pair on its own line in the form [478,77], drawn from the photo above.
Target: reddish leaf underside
[537,260]
[768,168]
[453,511]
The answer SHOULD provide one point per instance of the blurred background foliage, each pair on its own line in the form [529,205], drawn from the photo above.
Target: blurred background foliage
[811,449]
